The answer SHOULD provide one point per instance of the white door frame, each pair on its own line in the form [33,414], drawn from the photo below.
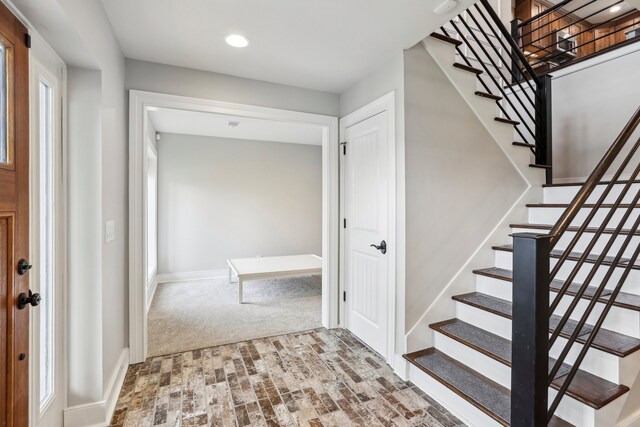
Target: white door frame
[140,102]
[46,64]
[385,103]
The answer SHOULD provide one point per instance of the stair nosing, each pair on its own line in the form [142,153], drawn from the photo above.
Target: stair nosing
[446,39]
[412,358]
[523,144]
[487,95]
[533,165]
[507,121]
[468,68]
[437,327]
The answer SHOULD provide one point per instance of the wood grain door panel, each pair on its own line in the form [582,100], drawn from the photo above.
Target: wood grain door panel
[14,223]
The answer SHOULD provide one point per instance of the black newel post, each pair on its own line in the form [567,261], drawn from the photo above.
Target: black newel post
[515,59]
[530,333]
[544,146]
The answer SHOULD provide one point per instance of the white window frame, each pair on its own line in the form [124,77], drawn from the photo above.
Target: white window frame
[46,66]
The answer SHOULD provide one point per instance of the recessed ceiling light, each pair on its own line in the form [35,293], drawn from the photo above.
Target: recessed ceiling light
[614,9]
[236,40]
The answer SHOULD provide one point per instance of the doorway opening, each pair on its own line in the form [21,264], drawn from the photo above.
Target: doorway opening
[212,181]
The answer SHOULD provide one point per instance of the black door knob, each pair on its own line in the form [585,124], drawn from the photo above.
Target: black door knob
[26,299]
[382,247]
[23,267]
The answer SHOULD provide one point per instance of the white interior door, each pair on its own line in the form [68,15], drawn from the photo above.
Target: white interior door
[46,364]
[366,200]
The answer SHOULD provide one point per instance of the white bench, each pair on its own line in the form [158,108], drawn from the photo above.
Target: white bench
[275,267]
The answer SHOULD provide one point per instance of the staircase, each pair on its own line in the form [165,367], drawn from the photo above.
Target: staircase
[469,367]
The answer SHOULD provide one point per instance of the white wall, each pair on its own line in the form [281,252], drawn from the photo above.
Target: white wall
[389,77]
[223,198]
[590,107]
[161,78]
[459,186]
[85,377]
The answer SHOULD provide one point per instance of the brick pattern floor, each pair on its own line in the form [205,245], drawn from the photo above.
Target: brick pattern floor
[315,378]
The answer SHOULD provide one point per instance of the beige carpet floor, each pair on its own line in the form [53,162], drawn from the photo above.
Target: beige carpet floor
[205,313]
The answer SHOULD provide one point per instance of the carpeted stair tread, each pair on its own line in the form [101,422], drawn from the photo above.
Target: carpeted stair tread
[490,344]
[623,300]
[485,394]
[585,387]
[575,256]
[606,340]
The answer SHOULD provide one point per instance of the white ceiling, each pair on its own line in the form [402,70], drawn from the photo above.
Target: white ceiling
[320,44]
[211,124]
[592,11]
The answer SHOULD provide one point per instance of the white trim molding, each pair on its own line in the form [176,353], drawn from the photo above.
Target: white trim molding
[140,103]
[191,275]
[382,104]
[98,414]
[632,420]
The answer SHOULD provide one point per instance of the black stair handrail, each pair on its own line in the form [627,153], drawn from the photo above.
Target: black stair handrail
[531,376]
[595,178]
[523,96]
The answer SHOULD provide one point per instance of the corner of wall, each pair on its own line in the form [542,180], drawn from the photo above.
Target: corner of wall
[99,414]
[463,189]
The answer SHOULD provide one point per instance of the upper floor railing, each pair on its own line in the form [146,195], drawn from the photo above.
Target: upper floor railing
[487,46]
[555,35]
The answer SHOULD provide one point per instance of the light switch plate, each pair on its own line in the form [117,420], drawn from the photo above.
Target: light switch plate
[110,231]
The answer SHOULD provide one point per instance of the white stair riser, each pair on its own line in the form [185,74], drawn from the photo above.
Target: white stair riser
[598,247]
[504,259]
[575,412]
[569,409]
[565,194]
[548,215]
[619,319]
[451,401]
[477,361]
[597,362]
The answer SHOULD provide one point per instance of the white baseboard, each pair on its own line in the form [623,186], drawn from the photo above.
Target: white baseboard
[98,414]
[191,275]
[151,290]
[401,367]
[631,421]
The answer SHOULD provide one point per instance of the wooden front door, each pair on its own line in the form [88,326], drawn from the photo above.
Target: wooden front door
[14,221]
